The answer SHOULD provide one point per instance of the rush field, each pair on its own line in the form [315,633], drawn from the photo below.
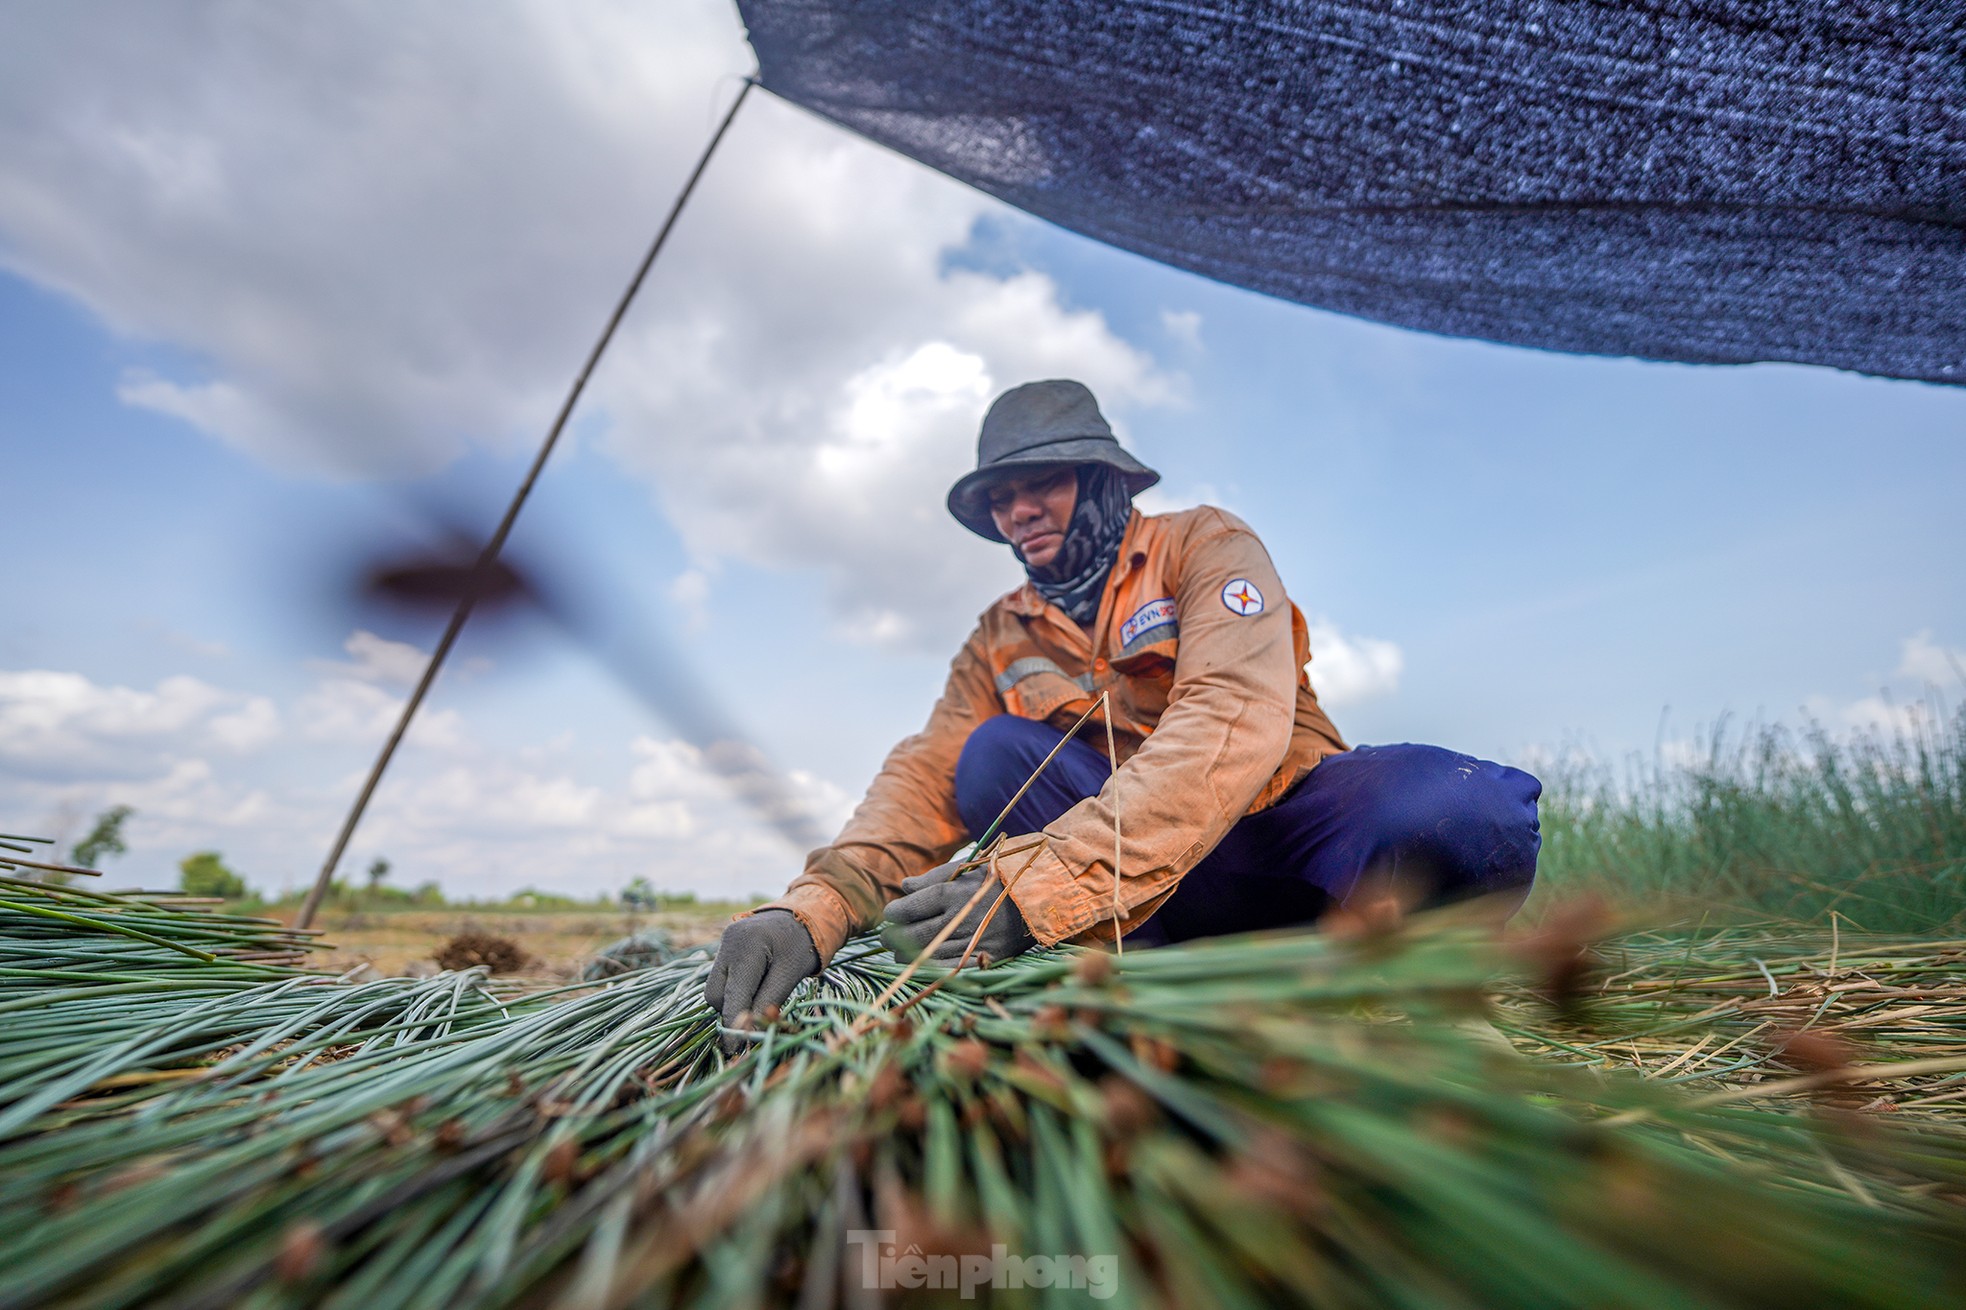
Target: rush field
[1719,1061]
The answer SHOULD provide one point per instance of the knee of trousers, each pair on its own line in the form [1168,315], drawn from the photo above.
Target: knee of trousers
[995,761]
[1474,820]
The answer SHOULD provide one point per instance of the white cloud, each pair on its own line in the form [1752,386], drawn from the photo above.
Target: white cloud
[41,703]
[1161,499]
[841,465]
[1183,325]
[1885,715]
[350,711]
[385,232]
[1928,663]
[376,659]
[389,235]
[673,783]
[497,800]
[1911,707]
[489,823]
[223,409]
[54,723]
[691,591]
[483,819]
[358,702]
[1345,670]
[190,797]
[184,755]
[253,725]
[344,710]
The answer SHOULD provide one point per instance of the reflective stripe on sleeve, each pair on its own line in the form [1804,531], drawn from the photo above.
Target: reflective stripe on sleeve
[1031,667]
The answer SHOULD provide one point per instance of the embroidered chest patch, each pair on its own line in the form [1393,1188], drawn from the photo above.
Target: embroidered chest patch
[1154,614]
[1242,597]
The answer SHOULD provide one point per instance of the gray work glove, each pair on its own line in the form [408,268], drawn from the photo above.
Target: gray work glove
[759,961]
[930,900]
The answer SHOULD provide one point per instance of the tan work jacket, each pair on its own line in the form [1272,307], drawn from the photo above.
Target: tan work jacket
[1213,718]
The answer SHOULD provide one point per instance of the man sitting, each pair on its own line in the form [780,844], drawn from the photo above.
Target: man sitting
[1237,804]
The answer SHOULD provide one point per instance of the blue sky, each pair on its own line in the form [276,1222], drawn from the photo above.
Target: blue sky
[260,301]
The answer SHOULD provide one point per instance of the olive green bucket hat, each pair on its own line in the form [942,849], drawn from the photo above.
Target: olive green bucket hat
[1040,423]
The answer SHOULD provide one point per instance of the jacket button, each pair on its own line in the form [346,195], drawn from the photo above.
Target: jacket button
[1099,666]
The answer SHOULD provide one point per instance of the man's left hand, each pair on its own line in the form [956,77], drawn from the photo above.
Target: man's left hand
[930,900]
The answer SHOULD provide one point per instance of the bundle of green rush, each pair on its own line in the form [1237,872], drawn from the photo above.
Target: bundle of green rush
[1247,1122]
[48,932]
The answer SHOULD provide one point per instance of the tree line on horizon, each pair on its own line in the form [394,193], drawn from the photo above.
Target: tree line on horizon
[206,874]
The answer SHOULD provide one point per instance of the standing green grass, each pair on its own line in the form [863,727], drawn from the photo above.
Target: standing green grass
[1776,824]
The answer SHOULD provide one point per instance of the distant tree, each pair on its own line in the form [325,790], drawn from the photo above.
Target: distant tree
[205,874]
[639,895]
[378,870]
[106,838]
[531,898]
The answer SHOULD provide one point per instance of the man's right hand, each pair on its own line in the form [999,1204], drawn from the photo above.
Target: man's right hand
[759,961]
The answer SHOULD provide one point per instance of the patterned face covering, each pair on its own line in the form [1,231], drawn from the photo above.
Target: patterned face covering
[1075,579]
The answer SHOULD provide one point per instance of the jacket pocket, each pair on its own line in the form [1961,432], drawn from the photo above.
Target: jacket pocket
[1037,688]
[1144,687]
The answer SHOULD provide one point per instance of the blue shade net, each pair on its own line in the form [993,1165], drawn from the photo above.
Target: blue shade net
[1716,181]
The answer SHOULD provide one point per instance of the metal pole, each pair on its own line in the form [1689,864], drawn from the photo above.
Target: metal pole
[497,541]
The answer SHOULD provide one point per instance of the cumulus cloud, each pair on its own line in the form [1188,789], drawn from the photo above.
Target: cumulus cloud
[489,822]
[378,660]
[1905,706]
[248,728]
[1926,662]
[350,711]
[1345,669]
[482,818]
[1885,715]
[184,754]
[1183,325]
[357,701]
[1162,499]
[841,464]
[56,723]
[384,235]
[492,822]
[382,232]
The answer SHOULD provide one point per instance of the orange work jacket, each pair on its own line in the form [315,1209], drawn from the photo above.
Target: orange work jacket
[1213,718]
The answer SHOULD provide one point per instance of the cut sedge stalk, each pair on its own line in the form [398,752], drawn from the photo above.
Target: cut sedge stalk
[1113,759]
[104,925]
[53,868]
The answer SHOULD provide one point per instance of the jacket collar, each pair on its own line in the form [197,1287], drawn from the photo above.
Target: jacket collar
[1029,602]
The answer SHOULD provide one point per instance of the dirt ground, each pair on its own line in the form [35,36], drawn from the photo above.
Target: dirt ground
[406,942]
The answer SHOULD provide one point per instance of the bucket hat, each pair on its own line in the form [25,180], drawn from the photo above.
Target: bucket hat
[1052,422]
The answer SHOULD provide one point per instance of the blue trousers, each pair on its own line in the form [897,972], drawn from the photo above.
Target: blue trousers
[1451,824]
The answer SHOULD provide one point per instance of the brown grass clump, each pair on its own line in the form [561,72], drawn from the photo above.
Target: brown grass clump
[469,950]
